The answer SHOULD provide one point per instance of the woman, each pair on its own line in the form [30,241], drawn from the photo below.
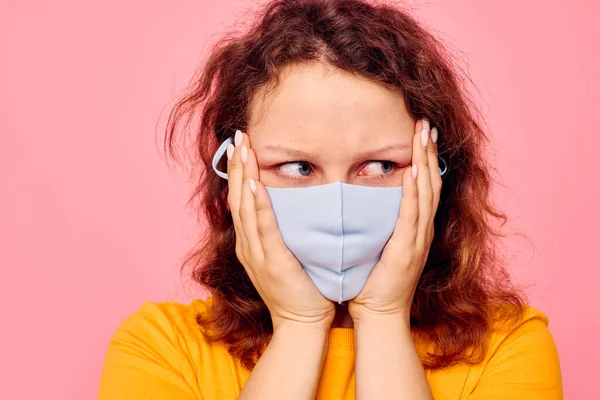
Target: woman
[341,263]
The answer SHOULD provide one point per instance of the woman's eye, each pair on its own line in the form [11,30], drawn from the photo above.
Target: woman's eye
[297,168]
[377,168]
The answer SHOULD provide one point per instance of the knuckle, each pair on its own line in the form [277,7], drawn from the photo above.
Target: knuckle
[273,274]
[265,229]
[413,193]
[414,221]
[428,197]
[411,219]
[243,252]
[260,207]
[263,221]
[245,211]
[239,252]
[234,165]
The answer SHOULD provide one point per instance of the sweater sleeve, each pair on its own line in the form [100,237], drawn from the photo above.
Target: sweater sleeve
[144,360]
[524,365]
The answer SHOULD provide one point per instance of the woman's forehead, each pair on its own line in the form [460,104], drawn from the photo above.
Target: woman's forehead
[316,102]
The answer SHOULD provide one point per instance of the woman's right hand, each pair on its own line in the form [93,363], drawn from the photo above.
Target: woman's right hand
[276,274]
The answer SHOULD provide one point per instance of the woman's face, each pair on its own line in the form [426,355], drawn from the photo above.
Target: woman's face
[322,125]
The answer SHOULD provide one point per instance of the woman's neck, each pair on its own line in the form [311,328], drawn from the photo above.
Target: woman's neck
[342,317]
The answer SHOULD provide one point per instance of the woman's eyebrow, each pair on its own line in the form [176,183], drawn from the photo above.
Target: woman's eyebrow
[287,150]
[390,150]
[372,153]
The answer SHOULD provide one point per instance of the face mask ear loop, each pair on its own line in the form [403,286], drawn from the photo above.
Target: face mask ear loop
[218,155]
[445,169]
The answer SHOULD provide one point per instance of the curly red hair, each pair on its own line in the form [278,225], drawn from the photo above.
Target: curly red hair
[464,277]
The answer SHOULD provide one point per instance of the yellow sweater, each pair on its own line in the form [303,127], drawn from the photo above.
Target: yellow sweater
[159,353]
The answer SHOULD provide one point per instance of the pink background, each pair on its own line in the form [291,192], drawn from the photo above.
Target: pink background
[93,223]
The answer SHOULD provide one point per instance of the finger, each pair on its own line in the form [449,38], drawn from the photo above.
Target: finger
[405,232]
[248,219]
[234,183]
[247,207]
[436,178]
[266,226]
[420,158]
[249,161]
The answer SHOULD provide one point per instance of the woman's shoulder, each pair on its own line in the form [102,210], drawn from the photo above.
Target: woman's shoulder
[171,312]
[521,358]
[520,362]
[167,321]
[159,349]
[520,338]
[509,326]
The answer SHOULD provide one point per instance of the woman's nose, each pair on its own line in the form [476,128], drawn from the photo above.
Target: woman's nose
[335,175]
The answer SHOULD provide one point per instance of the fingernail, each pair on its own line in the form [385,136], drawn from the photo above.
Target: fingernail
[424,138]
[414,171]
[426,124]
[252,185]
[434,134]
[425,133]
[229,152]
[238,138]
[244,154]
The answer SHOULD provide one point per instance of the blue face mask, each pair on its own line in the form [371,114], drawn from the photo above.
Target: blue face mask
[336,231]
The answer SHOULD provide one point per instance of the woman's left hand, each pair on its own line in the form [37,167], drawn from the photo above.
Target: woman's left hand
[391,285]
